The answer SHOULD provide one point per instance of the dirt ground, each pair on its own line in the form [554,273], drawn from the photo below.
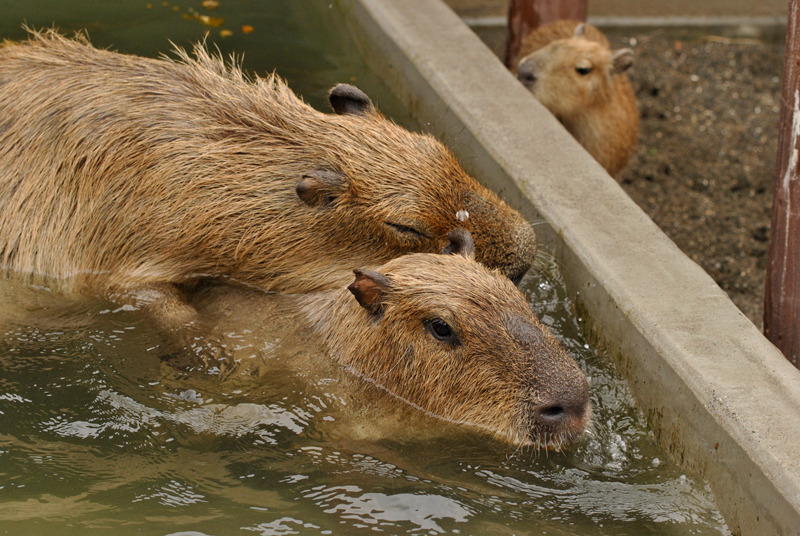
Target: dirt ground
[705,162]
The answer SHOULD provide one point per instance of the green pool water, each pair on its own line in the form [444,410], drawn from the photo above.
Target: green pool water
[97,436]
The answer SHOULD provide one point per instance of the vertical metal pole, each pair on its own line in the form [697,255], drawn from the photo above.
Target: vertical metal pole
[526,15]
[782,296]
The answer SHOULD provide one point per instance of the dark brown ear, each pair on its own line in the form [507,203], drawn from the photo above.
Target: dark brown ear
[320,188]
[349,100]
[621,60]
[370,289]
[460,243]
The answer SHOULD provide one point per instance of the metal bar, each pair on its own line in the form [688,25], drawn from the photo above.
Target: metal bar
[782,293]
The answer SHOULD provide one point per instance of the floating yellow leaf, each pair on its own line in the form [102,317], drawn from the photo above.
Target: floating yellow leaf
[246,29]
[205,19]
[210,4]
[225,33]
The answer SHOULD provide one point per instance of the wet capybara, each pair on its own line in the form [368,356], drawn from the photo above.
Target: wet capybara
[570,68]
[443,334]
[129,178]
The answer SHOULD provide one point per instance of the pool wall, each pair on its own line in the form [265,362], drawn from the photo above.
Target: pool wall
[721,399]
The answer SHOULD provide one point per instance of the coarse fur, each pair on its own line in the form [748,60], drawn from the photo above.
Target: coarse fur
[499,369]
[570,68]
[130,178]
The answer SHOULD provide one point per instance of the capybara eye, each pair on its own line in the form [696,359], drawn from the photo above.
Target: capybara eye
[405,229]
[583,71]
[441,330]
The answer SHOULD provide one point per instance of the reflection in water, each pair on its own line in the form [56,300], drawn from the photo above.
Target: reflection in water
[366,510]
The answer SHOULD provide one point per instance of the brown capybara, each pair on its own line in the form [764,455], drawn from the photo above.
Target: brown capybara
[443,334]
[130,178]
[570,68]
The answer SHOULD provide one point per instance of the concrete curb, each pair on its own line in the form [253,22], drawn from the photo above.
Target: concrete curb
[721,399]
[649,22]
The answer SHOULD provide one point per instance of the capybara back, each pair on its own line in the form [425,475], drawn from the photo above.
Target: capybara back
[120,173]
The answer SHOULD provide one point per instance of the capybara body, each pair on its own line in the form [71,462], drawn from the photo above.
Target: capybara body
[570,68]
[129,177]
[447,336]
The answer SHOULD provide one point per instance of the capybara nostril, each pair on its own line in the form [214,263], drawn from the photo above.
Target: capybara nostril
[526,73]
[564,410]
[526,76]
[561,415]
[553,413]
[558,423]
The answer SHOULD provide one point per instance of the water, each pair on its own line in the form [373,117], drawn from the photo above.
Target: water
[98,435]
[305,41]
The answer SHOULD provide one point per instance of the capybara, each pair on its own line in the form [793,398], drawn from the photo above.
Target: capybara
[443,334]
[129,178]
[570,68]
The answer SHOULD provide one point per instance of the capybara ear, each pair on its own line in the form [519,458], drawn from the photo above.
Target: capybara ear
[580,30]
[460,244]
[621,60]
[349,100]
[320,188]
[370,288]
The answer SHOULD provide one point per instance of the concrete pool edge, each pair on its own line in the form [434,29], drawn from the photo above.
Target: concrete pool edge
[721,399]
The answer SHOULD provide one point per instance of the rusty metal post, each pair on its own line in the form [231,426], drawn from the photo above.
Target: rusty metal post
[782,295]
[526,15]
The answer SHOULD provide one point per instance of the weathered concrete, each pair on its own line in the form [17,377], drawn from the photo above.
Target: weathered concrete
[721,399]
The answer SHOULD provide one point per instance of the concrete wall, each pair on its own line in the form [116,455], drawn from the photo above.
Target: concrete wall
[721,399]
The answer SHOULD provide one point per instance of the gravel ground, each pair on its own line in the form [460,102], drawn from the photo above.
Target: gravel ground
[705,163]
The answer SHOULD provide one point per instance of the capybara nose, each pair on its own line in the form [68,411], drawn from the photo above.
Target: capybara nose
[525,239]
[563,416]
[517,277]
[526,72]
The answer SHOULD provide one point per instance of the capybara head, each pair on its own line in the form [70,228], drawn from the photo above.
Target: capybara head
[569,76]
[133,171]
[406,190]
[458,340]
[570,68]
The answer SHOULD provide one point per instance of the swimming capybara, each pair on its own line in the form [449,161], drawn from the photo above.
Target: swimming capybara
[129,178]
[441,333]
[570,68]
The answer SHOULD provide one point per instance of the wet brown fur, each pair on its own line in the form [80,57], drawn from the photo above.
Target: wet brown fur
[128,177]
[504,372]
[599,109]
